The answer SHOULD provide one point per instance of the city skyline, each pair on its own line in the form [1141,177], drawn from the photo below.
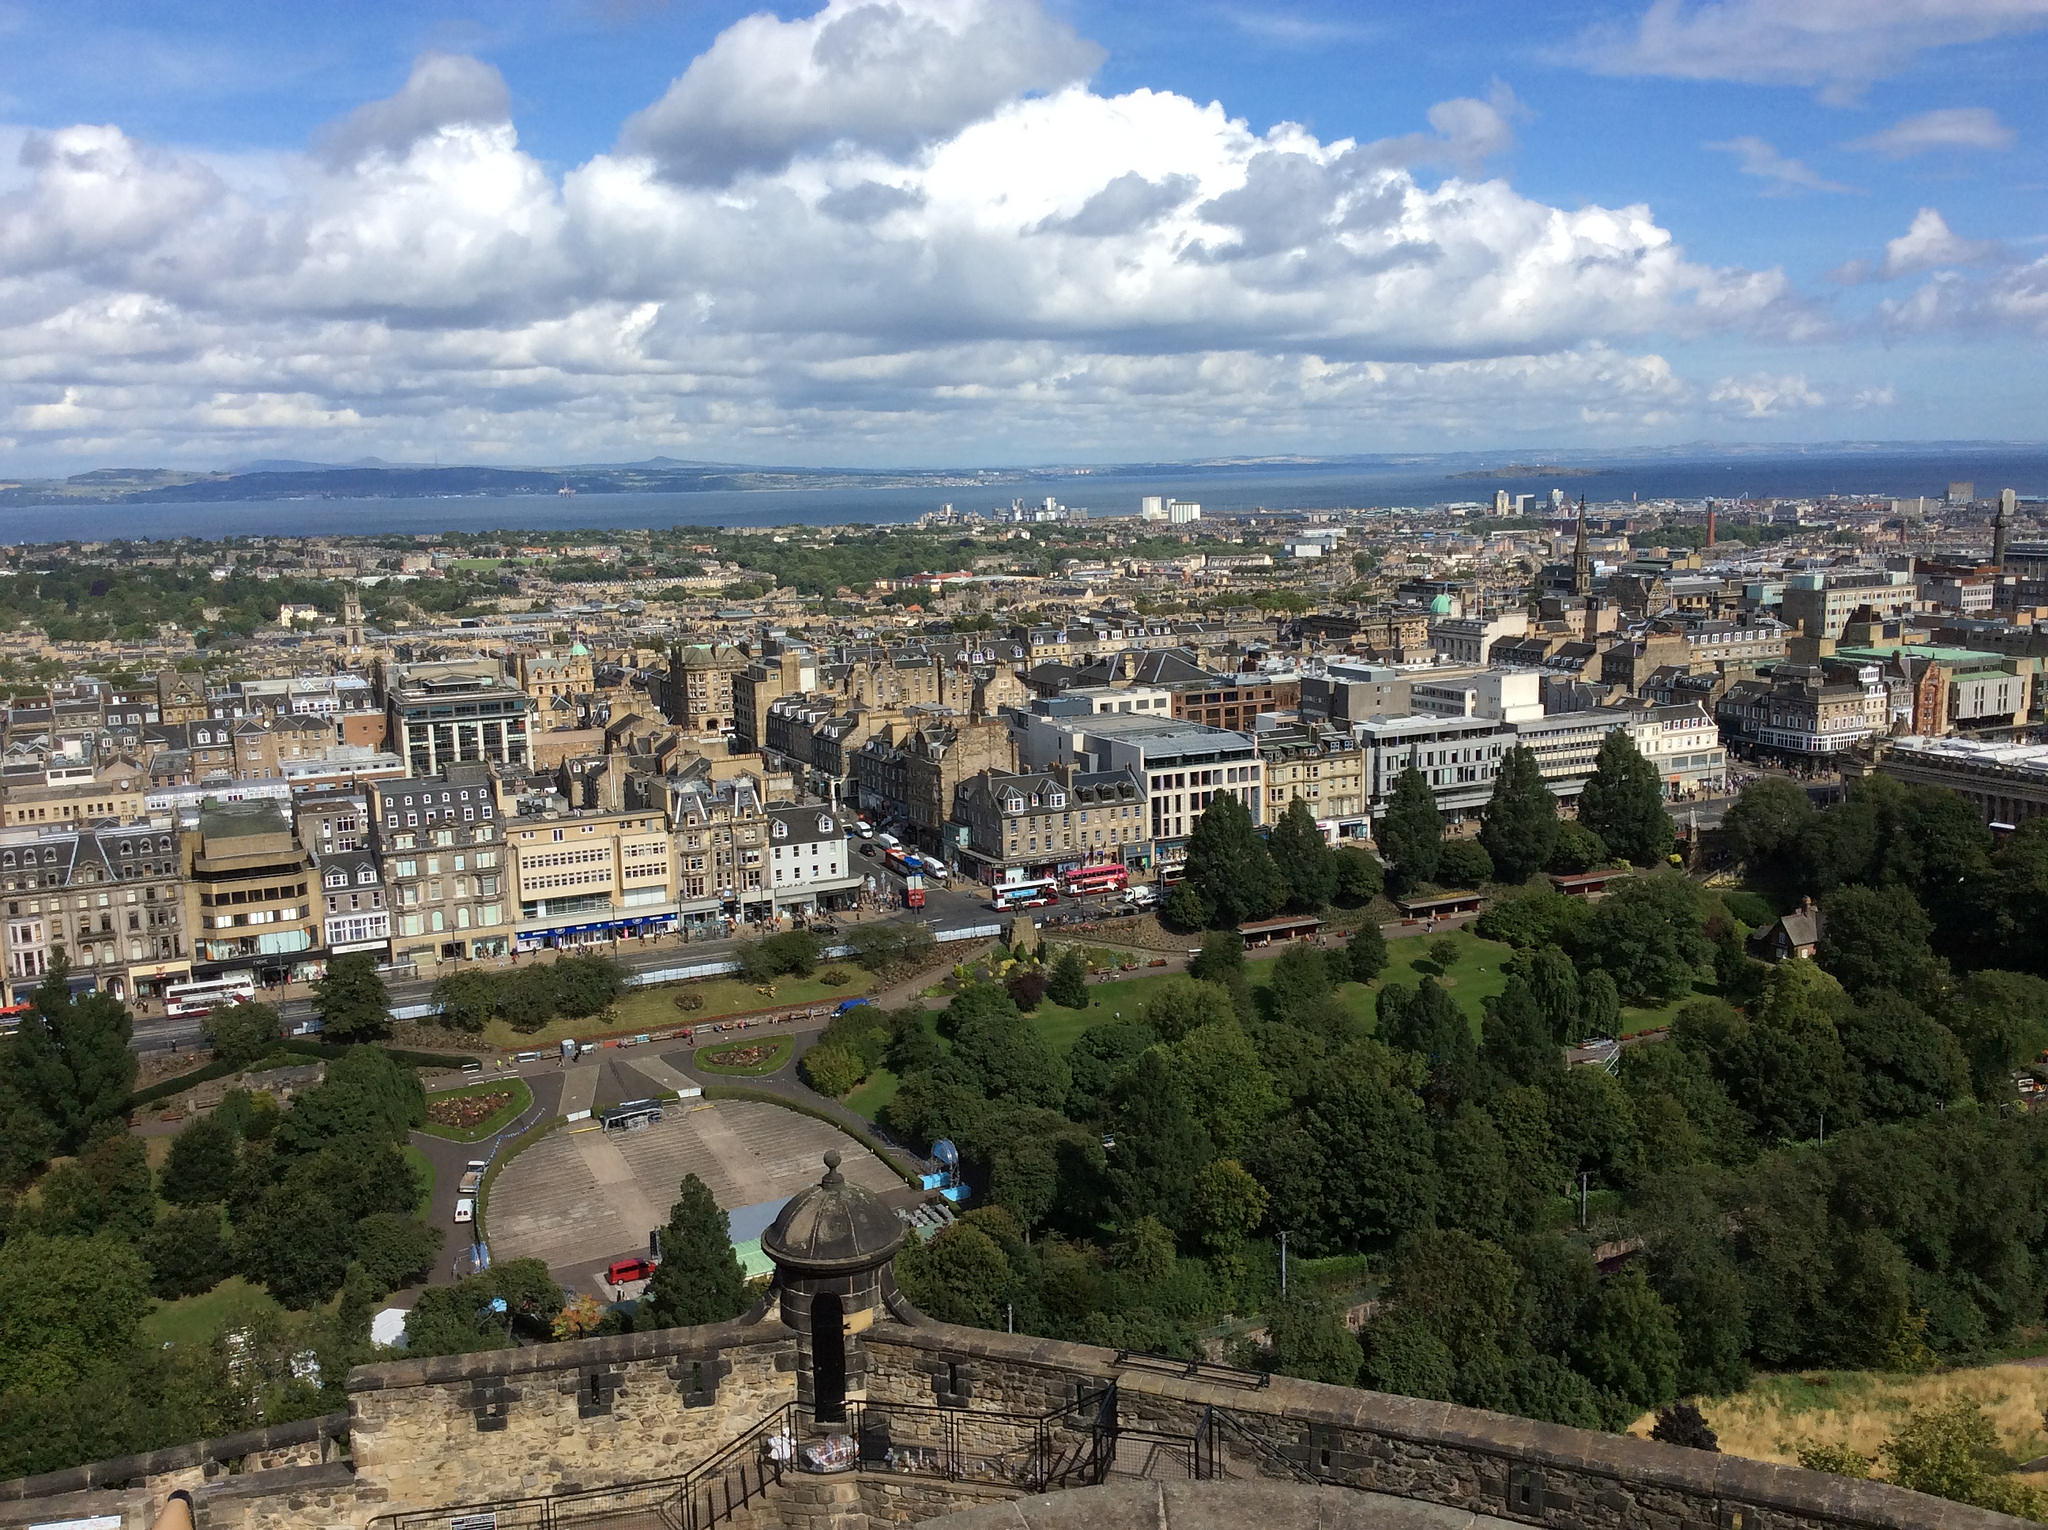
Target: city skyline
[952,231]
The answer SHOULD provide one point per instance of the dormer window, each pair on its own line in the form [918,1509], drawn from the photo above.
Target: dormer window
[781,830]
[824,824]
[366,876]
[337,879]
[1056,799]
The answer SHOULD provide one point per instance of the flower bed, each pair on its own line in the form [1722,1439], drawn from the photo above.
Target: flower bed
[466,1112]
[750,1059]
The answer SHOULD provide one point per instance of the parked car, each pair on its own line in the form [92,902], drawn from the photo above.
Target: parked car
[619,1271]
[465,1210]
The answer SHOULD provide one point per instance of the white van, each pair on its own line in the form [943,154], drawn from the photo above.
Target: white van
[465,1210]
[887,841]
[935,869]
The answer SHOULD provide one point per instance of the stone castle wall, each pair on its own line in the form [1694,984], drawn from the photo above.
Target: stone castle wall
[135,1486]
[1462,1458]
[468,1429]
[478,1429]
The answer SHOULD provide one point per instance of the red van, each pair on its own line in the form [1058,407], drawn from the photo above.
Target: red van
[620,1271]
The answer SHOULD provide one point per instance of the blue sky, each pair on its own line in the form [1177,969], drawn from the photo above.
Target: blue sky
[961,231]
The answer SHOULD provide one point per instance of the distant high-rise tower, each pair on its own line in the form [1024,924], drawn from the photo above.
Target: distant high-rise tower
[1962,492]
[1710,525]
[1582,560]
[2001,524]
[352,618]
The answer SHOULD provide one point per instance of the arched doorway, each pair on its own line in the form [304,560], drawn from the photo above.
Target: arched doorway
[828,1358]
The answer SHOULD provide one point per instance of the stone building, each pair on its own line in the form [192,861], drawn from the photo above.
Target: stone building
[583,876]
[58,789]
[1035,825]
[444,714]
[354,915]
[440,846]
[697,692]
[250,899]
[110,895]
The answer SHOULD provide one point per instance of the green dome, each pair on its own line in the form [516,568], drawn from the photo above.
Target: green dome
[1441,606]
[578,651]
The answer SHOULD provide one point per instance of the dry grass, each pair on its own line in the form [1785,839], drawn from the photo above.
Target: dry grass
[1779,1414]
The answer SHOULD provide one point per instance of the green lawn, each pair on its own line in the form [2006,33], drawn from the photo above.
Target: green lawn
[1471,980]
[423,1170]
[875,1091]
[1634,1019]
[707,1059]
[520,1102]
[196,1319]
[645,1010]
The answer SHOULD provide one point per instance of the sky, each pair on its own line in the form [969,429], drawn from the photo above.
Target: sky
[1005,232]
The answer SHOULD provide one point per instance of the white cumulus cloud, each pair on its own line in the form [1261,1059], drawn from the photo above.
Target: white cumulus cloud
[1762,396]
[883,73]
[1011,263]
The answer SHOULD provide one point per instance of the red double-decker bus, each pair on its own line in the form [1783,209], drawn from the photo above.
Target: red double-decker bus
[1108,877]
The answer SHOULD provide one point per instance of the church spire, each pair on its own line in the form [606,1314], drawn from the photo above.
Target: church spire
[1582,561]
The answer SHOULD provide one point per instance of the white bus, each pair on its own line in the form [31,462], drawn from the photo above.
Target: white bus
[196,998]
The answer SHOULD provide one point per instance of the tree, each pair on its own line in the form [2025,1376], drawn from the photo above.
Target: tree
[1188,907]
[1464,863]
[1222,953]
[1554,987]
[1648,935]
[1876,940]
[395,1249]
[1623,802]
[368,1095]
[351,998]
[1360,877]
[1160,1148]
[201,1163]
[1227,1088]
[1026,988]
[1899,1062]
[1011,1062]
[1231,865]
[833,1070]
[242,1033]
[1228,1204]
[463,1319]
[1366,953]
[1577,849]
[1786,1068]
[466,999]
[1764,826]
[1473,1163]
[961,1276]
[1307,864]
[186,1253]
[699,1279]
[70,1060]
[1067,984]
[1426,1020]
[1683,1424]
[1412,832]
[2001,1020]
[1180,1006]
[1516,1043]
[1403,1355]
[68,1308]
[1309,1340]
[1951,1450]
[1301,979]
[1629,1347]
[1100,1057]
[1520,828]
[1599,1005]
[1365,1133]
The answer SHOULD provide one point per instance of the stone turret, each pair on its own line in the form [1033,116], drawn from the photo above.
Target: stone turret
[831,1247]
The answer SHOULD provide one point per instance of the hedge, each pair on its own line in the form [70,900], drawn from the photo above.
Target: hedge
[327,1051]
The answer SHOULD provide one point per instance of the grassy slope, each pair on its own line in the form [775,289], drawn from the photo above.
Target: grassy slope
[654,1009]
[196,1319]
[424,1170]
[1777,1414]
